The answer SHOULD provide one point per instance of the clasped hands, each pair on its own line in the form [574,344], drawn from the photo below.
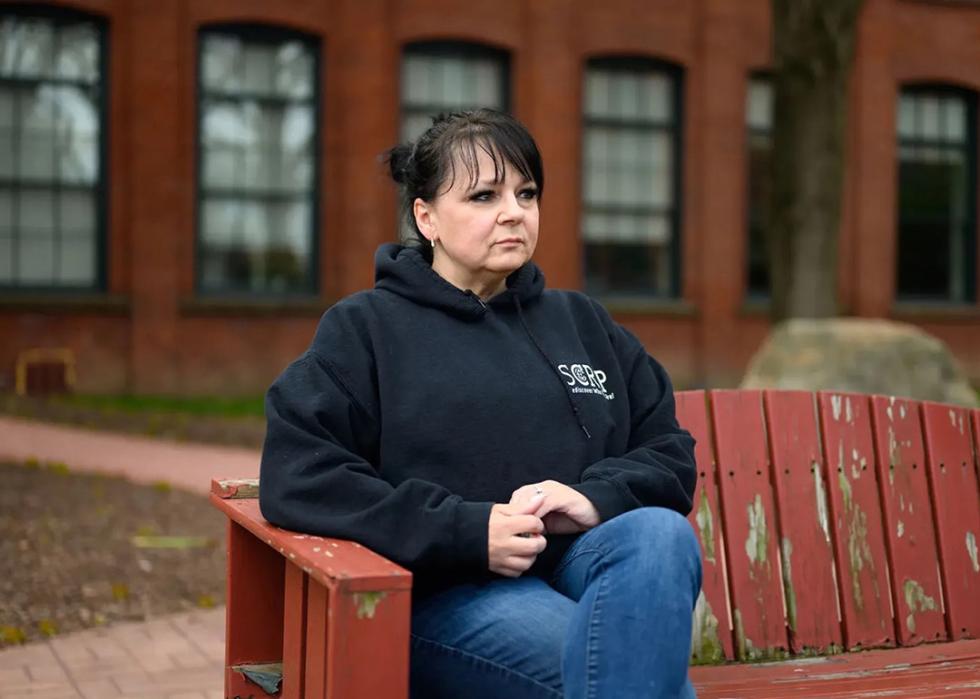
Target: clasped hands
[517,529]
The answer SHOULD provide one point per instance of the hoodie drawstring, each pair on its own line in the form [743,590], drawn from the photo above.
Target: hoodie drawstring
[552,366]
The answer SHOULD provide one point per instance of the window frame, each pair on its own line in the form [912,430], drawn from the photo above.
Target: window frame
[268,34]
[676,74]
[970,100]
[60,16]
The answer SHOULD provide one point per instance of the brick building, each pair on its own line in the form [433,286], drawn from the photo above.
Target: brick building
[186,186]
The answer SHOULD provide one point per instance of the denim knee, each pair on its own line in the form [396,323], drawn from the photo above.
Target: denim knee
[657,531]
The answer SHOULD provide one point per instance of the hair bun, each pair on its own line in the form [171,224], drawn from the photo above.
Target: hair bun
[398,159]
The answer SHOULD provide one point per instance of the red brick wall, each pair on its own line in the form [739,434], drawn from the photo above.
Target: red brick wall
[163,340]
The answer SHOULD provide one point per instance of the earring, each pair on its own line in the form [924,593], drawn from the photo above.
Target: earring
[433,241]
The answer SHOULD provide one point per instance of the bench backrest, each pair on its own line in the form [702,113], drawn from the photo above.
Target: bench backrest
[831,521]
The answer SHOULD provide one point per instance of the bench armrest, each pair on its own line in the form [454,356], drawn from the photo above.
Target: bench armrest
[319,608]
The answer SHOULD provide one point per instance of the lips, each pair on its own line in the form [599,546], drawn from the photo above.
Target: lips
[510,241]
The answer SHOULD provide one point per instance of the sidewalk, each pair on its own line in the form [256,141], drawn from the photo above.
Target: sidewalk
[175,657]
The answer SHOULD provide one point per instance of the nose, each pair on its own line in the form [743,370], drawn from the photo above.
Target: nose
[511,211]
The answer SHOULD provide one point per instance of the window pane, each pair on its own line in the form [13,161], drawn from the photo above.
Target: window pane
[221,60]
[77,56]
[258,69]
[656,101]
[36,152]
[77,134]
[759,104]
[35,260]
[294,70]
[596,93]
[77,213]
[6,213]
[929,118]
[6,258]
[7,154]
[487,80]
[76,261]
[26,47]
[906,116]
[624,95]
[415,80]
[954,111]
[35,214]
[8,108]
[453,83]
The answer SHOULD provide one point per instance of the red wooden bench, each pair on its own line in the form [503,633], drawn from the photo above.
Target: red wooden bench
[829,523]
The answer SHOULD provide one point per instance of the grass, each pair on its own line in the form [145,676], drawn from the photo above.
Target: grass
[198,405]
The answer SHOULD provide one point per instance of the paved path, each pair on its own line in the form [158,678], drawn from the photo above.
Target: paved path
[173,657]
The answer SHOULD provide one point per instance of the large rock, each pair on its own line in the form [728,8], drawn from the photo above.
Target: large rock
[861,355]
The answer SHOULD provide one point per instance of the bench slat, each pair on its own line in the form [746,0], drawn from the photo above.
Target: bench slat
[749,524]
[858,540]
[318,660]
[253,628]
[367,659]
[944,670]
[807,555]
[950,459]
[294,632]
[712,633]
[910,536]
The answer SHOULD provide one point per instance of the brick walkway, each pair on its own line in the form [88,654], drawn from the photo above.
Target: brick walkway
[174,657]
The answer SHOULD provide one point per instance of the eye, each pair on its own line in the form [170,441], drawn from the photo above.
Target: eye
[529,193]
[482,195]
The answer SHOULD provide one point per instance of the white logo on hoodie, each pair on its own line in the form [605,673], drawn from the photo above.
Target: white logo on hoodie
[584,379]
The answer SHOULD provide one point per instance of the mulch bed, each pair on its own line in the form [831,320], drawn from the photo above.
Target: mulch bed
[80,550]
[245,431]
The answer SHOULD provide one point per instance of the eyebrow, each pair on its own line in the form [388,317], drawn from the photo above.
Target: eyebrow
[494,183]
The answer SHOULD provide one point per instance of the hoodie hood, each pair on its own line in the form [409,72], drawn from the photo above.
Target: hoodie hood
[402,270]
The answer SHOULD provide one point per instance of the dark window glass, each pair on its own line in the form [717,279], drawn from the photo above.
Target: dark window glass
[257,176]
[630,213]
[52,182]
[758,122]
[936,194]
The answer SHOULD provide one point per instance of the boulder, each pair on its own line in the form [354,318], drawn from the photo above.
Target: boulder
[863,355]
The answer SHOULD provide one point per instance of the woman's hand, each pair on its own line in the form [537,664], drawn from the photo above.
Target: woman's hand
[563,510]
[515,537]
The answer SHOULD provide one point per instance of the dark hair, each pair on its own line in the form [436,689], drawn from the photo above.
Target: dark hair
[421,168]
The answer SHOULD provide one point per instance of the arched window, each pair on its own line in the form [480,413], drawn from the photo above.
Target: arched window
[448,77]
[52,149]
[631,177]
[936,194]
[258,136]
[758,126]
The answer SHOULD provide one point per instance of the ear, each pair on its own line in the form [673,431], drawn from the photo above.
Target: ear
[425,218]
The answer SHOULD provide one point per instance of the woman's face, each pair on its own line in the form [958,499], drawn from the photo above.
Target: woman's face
[484,232]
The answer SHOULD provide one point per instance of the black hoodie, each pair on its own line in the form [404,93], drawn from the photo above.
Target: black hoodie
[418,406]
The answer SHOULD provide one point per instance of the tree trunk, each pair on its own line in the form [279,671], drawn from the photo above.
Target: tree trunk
[813,45]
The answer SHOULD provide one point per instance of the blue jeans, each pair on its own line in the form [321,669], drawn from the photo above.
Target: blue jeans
[614,622]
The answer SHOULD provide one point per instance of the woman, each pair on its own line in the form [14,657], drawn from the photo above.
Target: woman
[512,446]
